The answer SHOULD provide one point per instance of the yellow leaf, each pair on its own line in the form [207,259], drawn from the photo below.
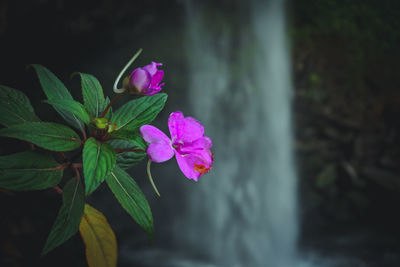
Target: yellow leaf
[99,239]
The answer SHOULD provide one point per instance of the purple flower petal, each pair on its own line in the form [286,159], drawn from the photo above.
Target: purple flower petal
[203,142]
[200,145]
[192,165]
[153,135]
[152,67]
[160,152]
[175,124]
[152,91]
[192,130]
[155,85]
[184,129]
[187,166]
[140,79]
[156,79]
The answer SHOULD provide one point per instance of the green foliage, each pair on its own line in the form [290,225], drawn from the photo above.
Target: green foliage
[30,170]
[51,136]
[111,143]
[123,135]
[72,107]
[93,96]
[131,198]
[98,161]
[366,21]
[69,216]
[138,112]
[15,107]
[128,159]
[56,90]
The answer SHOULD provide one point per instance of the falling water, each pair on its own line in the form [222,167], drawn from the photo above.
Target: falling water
[244,211]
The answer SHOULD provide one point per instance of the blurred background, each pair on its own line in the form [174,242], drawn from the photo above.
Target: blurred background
[301,99]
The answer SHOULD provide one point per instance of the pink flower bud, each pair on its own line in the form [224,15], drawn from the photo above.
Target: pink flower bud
[145,80]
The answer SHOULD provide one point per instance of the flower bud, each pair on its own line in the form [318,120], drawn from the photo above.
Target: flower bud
[101,123]
[112,127]
[145,80]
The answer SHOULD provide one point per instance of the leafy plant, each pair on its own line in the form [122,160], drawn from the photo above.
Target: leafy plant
[101,145]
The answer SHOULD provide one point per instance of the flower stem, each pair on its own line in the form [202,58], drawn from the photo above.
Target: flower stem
[119,91]
[151,179]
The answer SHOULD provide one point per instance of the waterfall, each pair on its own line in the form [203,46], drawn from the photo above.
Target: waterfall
[244,212]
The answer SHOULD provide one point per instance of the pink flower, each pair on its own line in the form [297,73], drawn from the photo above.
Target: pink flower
[146,80]
[188,143]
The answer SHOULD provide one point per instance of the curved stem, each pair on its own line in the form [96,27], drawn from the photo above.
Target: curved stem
[77,165]
[151,179]
[121,90]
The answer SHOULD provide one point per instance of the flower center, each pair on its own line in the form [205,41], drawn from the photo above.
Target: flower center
[177,145]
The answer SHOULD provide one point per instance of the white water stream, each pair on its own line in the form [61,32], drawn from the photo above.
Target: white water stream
[244,212]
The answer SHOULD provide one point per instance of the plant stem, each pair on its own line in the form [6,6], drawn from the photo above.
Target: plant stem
[119,91]
[78,139]
[58,189]
[151,179]
[77,165]
[63,156]
[84,135]
[62,166]
[75,169]
[110,104]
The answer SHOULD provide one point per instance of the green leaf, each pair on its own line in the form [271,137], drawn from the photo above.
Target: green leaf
[99,239]
[138,112]
[15,107]
[93,96]
[131,198]
[69,216]
[72,107]
[56,90]
[30,170]
[98,161]
[51,136]
[126,160]
[121,134]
